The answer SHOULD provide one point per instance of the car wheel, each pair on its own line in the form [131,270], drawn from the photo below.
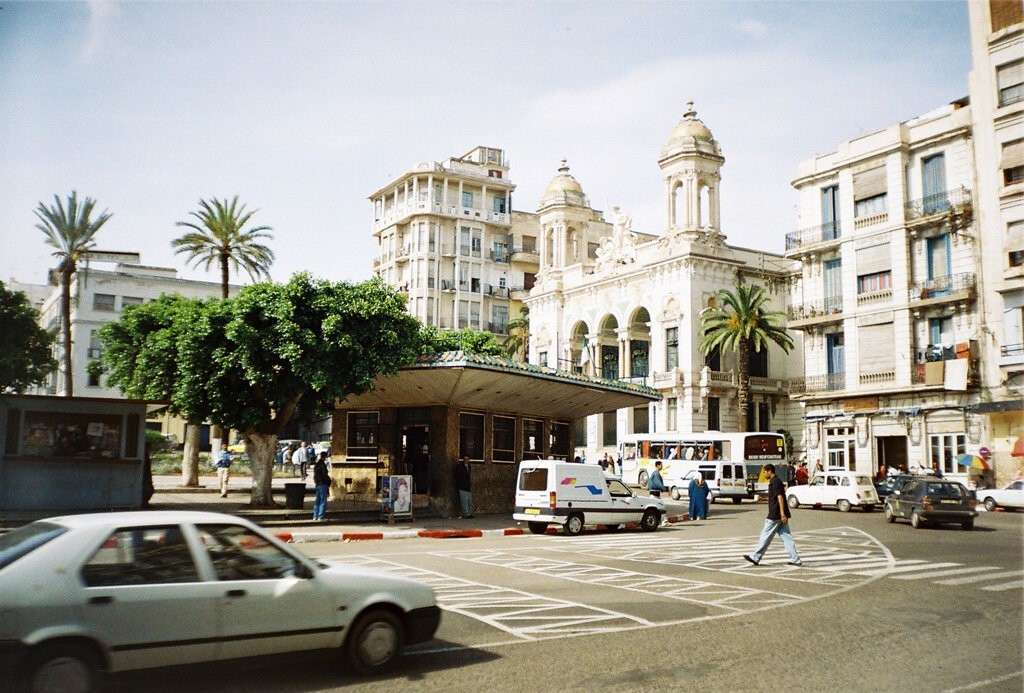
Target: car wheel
[375,641]
[674,492]
[890,516]
[793,502]
[868,508]
[843,505]
[915,520]
[63,668]
[650,521]
[737,501]
[968,525]
[990,504]
[573,525]
[642,479]
[537,527]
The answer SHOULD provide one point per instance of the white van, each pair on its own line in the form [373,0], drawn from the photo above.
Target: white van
[725,480]
[573,495]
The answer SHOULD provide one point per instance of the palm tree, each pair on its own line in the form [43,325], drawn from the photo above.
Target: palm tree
[741,324]
[71,230]
[517,343]
[219,235]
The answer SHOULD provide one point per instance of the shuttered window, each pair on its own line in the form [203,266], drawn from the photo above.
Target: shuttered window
[869,183]
[877,258]
[1012,162]
[874,348]
[1005,13]
[1010,82]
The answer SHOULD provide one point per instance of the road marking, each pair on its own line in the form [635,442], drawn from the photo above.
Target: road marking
[944,573]
[1005,586]
[977,578]
[986,682]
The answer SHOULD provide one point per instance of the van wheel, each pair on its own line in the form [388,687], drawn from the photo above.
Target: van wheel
[573,525]
[650,521]
[537,527]
[843,505]
[642,479]
[737,500]
[674,492]
[63,667]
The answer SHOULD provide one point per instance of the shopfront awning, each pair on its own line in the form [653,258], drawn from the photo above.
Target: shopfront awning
[475,381]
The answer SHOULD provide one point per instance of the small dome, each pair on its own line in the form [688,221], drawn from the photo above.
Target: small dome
[564,182]
[690,127]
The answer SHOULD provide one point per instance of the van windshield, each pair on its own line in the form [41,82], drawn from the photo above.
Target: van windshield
[533,479]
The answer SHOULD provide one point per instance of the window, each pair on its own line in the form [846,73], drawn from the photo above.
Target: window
[463,314]
[238,553]
[870,206]
[464,241]
[378,206]
[362,435]
[1010,82]
[671,408]
[877,281]
[476,245]
[533,439]
[671,348]
[1012,162]
[875,353]
[714,414]
[467,199]
[869,192]
[504,449]
[592,250]
[944,450]
[1015,243]
[1005,13]
[830,213]
[64,434]
[764,420]
[131,301]
[499,203]
[609,434]
[641,419]
[933,184]
[559,444]
[141,556]
[840,448]
[471,436]
[758,363]
[103,302]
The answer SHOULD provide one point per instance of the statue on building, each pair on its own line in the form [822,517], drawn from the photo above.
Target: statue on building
[620,247]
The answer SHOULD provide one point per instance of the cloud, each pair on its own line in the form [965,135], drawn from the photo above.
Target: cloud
[98,30]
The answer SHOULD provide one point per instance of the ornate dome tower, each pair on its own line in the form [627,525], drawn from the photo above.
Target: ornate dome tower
[691,163]
[565,214]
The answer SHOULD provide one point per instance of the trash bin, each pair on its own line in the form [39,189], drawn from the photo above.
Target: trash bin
[294,496]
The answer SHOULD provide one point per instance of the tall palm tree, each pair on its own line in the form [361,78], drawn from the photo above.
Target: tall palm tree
[739,324]
[517,343]
[219,236]
[71,230]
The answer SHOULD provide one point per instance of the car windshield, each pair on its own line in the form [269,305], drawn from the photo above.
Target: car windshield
[940,490]
[25,540]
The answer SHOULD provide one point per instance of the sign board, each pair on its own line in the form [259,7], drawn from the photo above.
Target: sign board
[112,256]
[396,496]
[860,404]
[984,452]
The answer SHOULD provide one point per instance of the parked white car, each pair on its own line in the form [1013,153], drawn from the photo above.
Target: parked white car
[1010,497]
[838,488]
[84,595]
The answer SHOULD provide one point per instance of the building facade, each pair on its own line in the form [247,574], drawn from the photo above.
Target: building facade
[631,309]
[447,237]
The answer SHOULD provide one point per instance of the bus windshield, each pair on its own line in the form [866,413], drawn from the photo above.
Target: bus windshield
[764,447]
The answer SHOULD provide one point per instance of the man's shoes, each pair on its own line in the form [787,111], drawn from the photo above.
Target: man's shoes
[751,559]
[798,564]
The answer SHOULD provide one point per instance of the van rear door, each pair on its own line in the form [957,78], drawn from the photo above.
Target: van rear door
[532,489]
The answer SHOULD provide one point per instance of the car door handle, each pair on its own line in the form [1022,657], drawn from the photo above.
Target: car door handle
[236,593]
[101,600]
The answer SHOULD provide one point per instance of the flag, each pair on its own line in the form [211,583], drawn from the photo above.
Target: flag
[585,357]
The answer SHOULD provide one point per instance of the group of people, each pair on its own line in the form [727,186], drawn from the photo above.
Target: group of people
[607,463]
[303,458]
[698,491]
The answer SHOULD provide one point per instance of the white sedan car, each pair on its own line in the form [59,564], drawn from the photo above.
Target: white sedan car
[84,595]
[1010,497]
[835,488]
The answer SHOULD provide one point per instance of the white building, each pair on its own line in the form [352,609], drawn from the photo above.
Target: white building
[448,237]
[631,308]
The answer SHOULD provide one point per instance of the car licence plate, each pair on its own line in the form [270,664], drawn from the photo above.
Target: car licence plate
[532,511]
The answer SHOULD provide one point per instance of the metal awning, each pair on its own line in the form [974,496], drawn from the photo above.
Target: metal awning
[475,381]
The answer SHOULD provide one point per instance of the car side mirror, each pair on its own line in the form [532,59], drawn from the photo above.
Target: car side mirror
[303,571]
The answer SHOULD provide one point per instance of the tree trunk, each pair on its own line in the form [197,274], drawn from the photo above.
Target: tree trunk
[262,447]
[190,459]
[743,390]
[218,434]
[65,328]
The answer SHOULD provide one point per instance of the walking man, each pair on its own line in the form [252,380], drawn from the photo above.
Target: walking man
[655,485]
[224,469]
[462,483]
[777,522]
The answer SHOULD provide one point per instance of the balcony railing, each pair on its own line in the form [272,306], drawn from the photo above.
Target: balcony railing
[939,203]
[877,377]
[874,296]
[933,371]
[499,255]
[953,285]
[871,220]
[1012,350]
[829,382]
[832,305]
[826,233]
[498,291]
[447,285]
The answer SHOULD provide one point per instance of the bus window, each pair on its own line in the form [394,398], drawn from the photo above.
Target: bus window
[657,451]
[671,452]
[629,451]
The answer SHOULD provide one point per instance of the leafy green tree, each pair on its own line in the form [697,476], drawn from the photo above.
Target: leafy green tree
[219,236]
[257,361]
[739,325]
[25,345]
[437,341]
[517,343]
[71,230]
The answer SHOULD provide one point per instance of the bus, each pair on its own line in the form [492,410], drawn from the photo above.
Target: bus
[730,462]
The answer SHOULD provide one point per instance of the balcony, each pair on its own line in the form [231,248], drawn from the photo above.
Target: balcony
[498,291]
[667,379]
[879,296]
[953,287]
[716,380]
[768,385]
[816,237]
[1011,355]
[447,285]
[528,256]
[499,256]
[815,312]
[939,207]
[812,384]
[871,220]
[402,254]
[933,372]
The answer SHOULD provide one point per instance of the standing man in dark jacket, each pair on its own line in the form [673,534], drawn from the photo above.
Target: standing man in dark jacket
[462,483]
[322,481]
[777,522]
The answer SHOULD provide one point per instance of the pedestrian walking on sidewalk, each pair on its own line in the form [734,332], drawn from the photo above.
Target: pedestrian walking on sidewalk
[464,485]
[698,492]
[777,522]
[299,460]
[322,481]
[224,469]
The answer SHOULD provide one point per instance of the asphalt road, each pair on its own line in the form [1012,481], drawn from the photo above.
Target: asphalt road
[876,607]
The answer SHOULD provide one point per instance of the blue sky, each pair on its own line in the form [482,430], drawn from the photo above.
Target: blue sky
[303,109]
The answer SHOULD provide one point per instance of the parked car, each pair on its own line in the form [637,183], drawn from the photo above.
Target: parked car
[1011,496]
[930,499]
[85,595]
[238,447]
[835,487]
[890,484]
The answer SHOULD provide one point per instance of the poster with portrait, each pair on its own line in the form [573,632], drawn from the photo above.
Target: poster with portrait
[401,495]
